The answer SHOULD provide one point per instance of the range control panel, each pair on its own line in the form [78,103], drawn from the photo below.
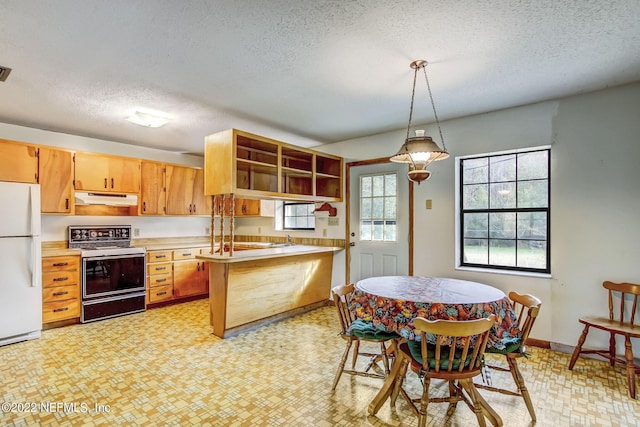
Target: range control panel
[83,236]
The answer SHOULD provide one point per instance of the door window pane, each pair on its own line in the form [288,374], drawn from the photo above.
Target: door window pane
[378,207]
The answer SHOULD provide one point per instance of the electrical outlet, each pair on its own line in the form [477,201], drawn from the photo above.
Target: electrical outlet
[324,232]
[429,204]
[207,231]
[136,232]
[259,230]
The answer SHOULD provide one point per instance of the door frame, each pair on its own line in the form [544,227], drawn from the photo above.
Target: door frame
[347,227]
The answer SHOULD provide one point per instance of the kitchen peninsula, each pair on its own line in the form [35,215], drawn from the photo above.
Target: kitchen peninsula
[256,286]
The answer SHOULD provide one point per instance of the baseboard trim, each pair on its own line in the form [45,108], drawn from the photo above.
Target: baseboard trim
[538,343]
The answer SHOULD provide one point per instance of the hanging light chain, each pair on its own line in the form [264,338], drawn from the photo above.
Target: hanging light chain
[433,105]
[413,94]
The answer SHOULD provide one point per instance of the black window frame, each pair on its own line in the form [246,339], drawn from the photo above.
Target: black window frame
[284,215]
[516,210]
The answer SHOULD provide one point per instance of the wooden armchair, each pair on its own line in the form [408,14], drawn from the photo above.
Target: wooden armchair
[456,357]
[527,307]
[355,332]
[615,326]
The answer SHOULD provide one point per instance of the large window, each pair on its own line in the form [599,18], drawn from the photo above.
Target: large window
[504,210]
[378,203]
[298,216]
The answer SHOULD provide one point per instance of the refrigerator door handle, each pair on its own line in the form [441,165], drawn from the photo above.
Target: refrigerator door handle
[34,199]
[36,252]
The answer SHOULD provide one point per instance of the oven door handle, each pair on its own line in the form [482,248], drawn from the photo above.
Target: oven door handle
[108,257]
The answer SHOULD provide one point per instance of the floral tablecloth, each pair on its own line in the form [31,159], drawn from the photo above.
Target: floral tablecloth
[392,302]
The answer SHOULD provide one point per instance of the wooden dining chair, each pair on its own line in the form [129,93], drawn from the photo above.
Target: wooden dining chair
[456,356]
[354,331]
[527,307]
[621,325]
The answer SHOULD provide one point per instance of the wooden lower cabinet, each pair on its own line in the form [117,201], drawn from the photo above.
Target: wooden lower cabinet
[190,276]
[60,288]
[175,274]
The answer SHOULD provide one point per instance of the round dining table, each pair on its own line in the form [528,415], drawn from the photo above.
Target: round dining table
[392,302]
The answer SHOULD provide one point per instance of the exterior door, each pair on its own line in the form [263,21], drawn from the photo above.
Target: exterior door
[379,221]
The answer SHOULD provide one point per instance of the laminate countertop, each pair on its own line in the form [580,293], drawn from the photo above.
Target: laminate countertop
[266,253]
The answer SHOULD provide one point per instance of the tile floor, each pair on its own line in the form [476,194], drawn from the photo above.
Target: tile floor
[164,368]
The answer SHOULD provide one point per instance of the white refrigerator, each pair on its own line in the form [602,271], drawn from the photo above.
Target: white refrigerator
[20,263]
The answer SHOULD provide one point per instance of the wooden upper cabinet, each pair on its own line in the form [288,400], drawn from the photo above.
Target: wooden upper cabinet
[55,174]
[98,172]
[255,167]
[185,191]
[152,189]
[201,203]
[249,207]
[18,162]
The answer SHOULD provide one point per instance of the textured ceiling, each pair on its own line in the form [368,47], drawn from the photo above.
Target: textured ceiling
[304,71]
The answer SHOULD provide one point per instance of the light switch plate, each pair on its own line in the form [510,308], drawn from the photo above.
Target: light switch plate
[333,221]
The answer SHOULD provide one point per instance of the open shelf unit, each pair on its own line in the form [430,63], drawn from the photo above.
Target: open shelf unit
[253,166]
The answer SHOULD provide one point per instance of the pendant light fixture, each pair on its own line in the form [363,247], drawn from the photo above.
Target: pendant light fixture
[420,150]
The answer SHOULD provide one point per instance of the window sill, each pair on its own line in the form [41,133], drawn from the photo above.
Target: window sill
[507,272]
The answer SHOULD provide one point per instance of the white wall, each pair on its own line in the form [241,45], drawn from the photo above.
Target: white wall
[595,201]
[54,227]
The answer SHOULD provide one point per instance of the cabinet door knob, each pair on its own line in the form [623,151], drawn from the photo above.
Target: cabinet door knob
[105,183]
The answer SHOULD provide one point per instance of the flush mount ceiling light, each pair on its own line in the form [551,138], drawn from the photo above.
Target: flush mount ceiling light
[148,119]
[419,151]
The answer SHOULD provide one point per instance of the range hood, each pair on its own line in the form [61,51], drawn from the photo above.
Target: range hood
[106,199]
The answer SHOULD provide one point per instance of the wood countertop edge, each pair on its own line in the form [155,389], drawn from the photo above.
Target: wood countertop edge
[258,254]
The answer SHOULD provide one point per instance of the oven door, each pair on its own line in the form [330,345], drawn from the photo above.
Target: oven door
[112,275]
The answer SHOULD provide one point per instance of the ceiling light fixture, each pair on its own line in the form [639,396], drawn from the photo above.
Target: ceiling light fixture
[4,73]
[148,119]
[419,151]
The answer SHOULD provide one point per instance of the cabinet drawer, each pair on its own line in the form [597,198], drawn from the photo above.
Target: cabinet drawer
[161,293]
[158,256]
[59,293]
[188,253]
[158,268]
[59,278]
[159,280]
[60,263]
[60,310]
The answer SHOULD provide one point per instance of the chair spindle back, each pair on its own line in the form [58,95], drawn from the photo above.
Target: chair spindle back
[454,336]
[527,306]
[340,295]
[624,289]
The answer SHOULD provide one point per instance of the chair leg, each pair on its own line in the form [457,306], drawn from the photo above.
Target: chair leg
[612,349]
[397,387]
[467,384]
[424,402]
[453,402]
[631,369]
[522,388]
[385,358]
[578,349]
[354,357]
[343,360]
